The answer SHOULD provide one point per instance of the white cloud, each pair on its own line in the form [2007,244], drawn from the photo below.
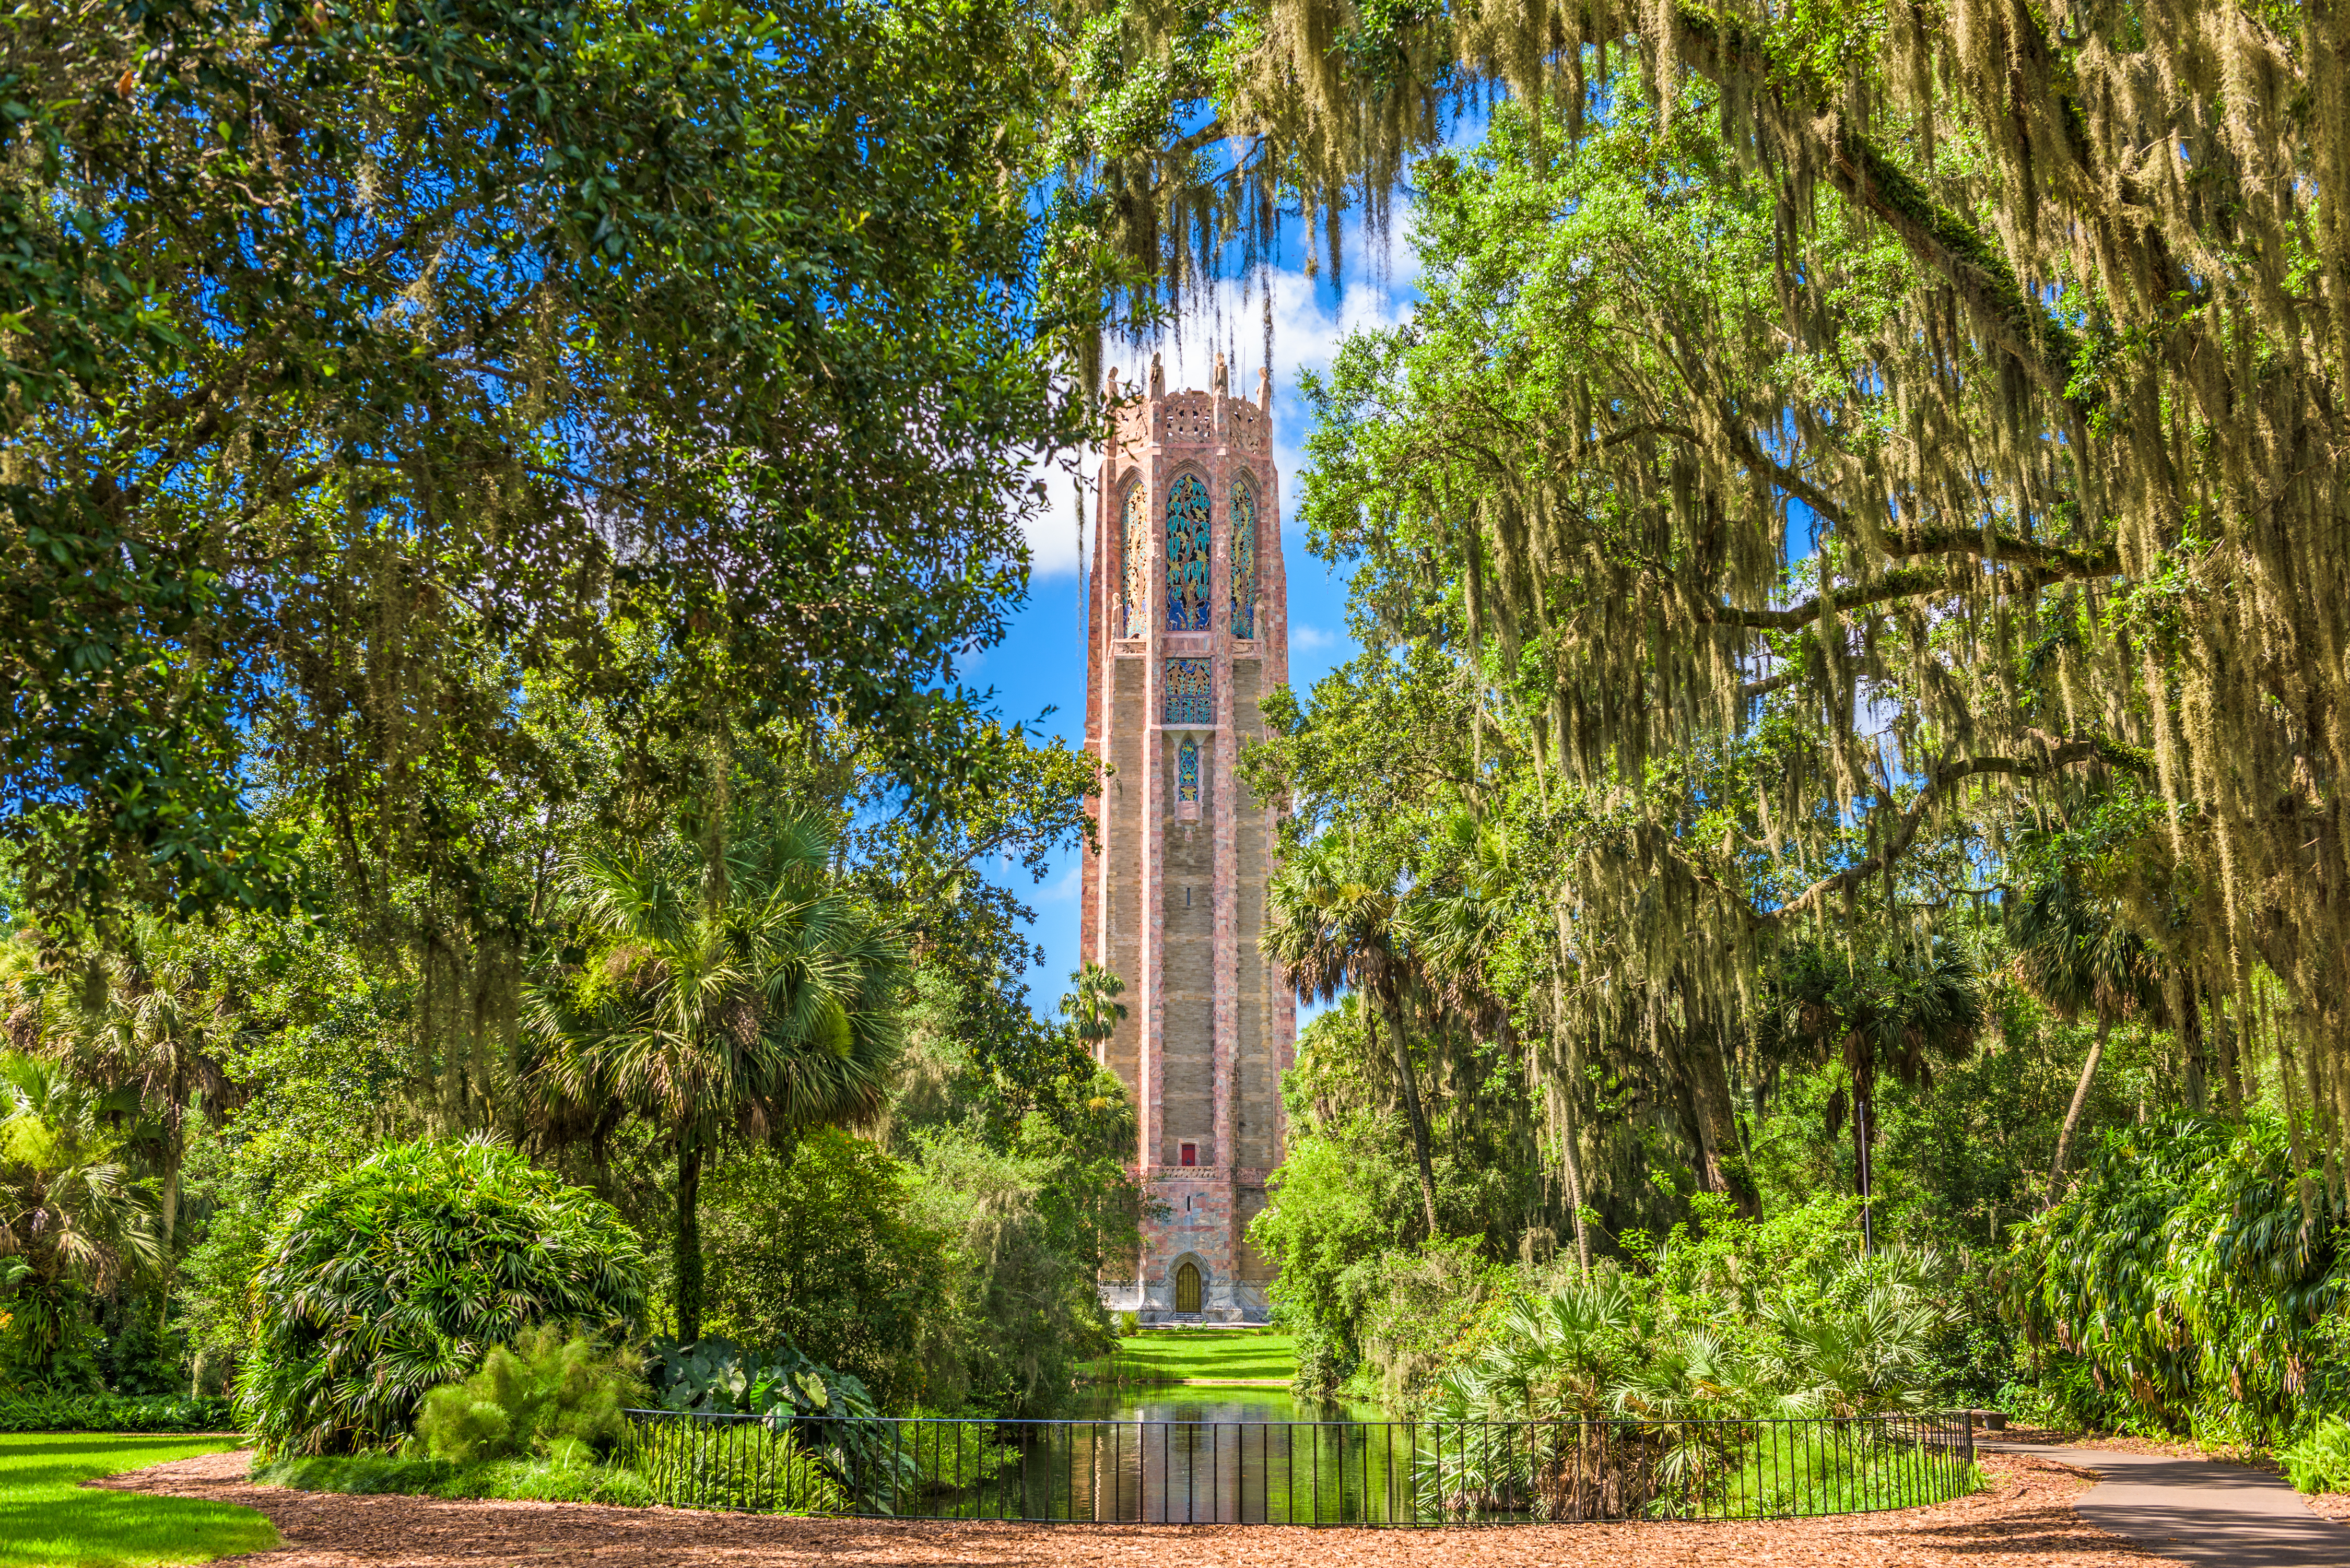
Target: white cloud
[1069,884]
[1307,639]
[1306,332]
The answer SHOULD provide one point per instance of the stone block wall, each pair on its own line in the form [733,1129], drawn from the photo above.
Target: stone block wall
[1175,890]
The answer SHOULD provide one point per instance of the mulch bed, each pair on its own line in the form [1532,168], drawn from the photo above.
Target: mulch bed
[2024,1521]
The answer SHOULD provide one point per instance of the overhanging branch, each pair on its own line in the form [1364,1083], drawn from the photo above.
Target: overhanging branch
[2048,753]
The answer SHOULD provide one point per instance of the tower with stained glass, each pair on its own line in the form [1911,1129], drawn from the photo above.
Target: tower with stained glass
[1187,632]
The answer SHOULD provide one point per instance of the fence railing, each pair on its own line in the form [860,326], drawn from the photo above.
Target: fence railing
[1306,1472]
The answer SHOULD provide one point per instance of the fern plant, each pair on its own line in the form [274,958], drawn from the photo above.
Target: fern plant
[553,1395]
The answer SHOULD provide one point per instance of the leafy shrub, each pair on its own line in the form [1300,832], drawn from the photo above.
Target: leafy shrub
[398,1275]
[45,1412]
[2183,1274]
[819,1249]
[720,1377]
[746,1465]
[549,1395]
[2321,1460]
[525,1480]
[827,1413]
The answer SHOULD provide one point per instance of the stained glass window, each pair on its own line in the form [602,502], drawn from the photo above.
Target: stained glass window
[1243,560]
[1187,554]
[1190,697]
[1138,564]
[1187,771]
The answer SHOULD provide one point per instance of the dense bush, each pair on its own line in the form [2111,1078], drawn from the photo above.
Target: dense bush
[2182,1286]
[2320,1461]
[819,1250]
[399,1275]
[43,1412]
[529,1480]
[548,1395]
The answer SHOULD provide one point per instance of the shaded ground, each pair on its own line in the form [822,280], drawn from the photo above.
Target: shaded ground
[2024,1521]
[2195,1508]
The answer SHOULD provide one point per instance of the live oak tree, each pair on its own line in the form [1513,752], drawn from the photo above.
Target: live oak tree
[2020,333]
[363,363]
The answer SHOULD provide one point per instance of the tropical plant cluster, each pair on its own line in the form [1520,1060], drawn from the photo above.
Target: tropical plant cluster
[497,511]
[43,1412]
[1800,749]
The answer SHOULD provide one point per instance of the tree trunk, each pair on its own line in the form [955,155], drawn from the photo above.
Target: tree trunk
[1718,1119]
[1412,1116]
[2073,1114]
[2191,1033]
[1565,1101]
[1863,1097]
[689,1234]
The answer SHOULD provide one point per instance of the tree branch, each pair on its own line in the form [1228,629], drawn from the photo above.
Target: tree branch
[2049,754]
[1937,237]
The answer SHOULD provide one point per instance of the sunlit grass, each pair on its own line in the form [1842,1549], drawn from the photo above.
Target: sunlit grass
[1181,1354]
[46,1517]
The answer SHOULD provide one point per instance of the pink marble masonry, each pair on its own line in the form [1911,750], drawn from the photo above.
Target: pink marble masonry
[1174,889]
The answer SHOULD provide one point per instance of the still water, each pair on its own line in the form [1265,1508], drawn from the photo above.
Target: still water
[1189,1455]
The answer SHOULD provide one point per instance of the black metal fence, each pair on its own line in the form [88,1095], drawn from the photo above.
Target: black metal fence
[1306,1472]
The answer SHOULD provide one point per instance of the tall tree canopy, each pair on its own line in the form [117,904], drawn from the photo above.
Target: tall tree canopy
[1839,436]
[363,360]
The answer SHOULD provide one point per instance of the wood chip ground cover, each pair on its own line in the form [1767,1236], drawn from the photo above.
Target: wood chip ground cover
[2024,1521]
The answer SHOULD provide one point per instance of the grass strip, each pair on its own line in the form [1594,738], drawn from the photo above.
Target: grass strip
[46,1517]
[1211,1355]
[513,1481]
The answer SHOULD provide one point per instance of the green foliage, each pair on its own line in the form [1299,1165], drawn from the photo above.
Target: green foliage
[37,1412]
[399,1275]
[819,1249]
[563,1478]
[756,1466]
[550,1395]
[630,258]
[69,1207]
[2198,1278]
[2319,1461]
[1034,1219]
[711,987]
[714,1376]
[54,1521]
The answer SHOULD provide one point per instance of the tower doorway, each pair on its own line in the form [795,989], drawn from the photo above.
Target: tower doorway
[1187,1287]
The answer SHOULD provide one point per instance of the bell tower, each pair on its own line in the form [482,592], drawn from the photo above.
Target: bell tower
[1188,630]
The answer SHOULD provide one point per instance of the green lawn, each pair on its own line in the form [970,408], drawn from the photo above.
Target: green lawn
[46,1519]
[1183,1354]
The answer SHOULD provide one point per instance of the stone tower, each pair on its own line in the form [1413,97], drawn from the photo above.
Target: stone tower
[1188,630]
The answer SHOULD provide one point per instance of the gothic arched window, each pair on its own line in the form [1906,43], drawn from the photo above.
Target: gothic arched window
[1137,563]
[1244,559]
[1187,554]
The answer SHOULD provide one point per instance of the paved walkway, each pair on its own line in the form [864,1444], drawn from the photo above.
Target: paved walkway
[2201,1510]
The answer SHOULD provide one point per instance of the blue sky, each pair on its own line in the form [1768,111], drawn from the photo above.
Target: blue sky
[1041,664]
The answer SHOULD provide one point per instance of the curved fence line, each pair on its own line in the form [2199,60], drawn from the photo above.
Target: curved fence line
[1305,1472]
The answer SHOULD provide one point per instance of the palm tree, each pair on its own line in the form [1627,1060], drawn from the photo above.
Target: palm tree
[1913,1005]
[148,1016]
[756,994]
[2076,958]
[68,1210]
[1094,1009]
[1332,922]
